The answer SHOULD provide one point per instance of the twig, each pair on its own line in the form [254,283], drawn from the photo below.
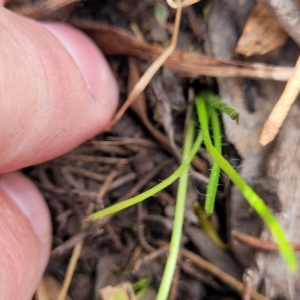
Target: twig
[147,76]
[101,159]
[212,269]
[70,271]
[115,140]
[69,244]
[131,265]
[282,107]
[86,173]
[107,182]
[140,184]
[191,270]
[258,243]
[191,64]
[113,236]
[147,258]
[122,180]
[141,235]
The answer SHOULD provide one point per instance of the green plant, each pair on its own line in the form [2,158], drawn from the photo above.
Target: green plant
[178,219]
[135,200]
[212,186]
[254,200]
[140,287]
[205,105]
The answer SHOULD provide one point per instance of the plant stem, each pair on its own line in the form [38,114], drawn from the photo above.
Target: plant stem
[136,199]
[178,219]
[212,186]
[254,200]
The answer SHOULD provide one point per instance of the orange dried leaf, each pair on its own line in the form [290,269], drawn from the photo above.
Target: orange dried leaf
[262,33]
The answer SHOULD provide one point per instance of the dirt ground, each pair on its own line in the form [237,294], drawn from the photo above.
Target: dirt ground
[242,51]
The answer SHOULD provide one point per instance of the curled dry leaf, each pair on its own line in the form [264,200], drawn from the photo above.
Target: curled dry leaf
[261,34]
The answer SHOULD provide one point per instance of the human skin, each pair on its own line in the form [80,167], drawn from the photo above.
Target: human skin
[56,91]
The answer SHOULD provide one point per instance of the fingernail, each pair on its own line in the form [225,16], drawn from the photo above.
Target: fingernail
[86,55]
[30,201]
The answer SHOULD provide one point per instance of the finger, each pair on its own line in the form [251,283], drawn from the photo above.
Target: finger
[56,90]
[25,237]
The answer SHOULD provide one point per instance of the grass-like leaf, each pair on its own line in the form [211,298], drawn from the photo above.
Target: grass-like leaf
[136,199]
[178,219]
[213,101]
[254,200]
[212,186]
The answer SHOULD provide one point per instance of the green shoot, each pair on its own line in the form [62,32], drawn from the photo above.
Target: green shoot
[254,200]
[140,287]
[178,219]
[218,104]
[212,186]
[154,190]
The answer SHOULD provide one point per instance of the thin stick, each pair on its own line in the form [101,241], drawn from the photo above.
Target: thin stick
[282,107]
[147,76]
[70,271]
[257,243]
[69,244]
[141,234]
[107,182]
[150,257]
[212,269]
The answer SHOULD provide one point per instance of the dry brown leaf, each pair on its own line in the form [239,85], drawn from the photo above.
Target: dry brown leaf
[116,41]
[262,33]
[48,289]
[123,291]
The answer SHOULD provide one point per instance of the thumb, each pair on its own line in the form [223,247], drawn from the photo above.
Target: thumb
[56,90]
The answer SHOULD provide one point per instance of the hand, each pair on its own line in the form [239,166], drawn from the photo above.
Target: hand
[56,91]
